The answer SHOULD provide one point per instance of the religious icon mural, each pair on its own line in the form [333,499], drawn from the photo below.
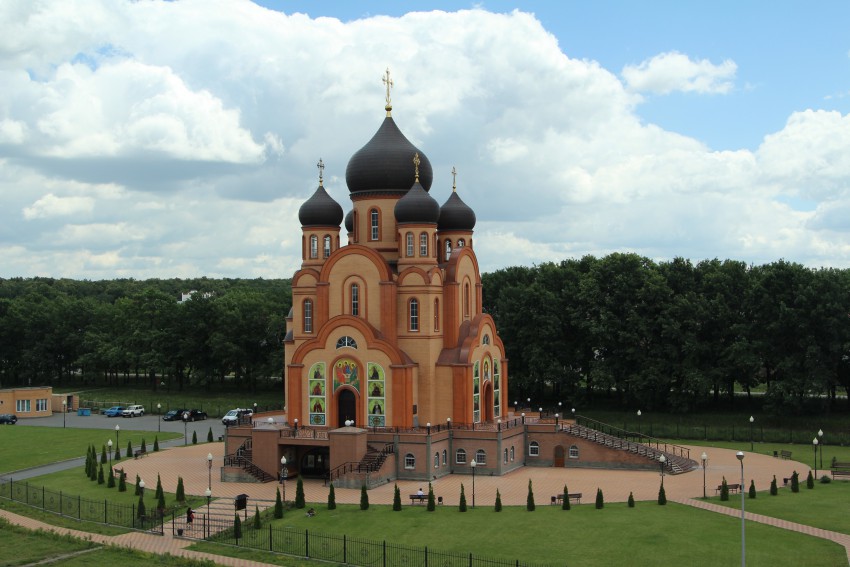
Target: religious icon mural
[346,373]
[375,389]
[476,392]
[316,385]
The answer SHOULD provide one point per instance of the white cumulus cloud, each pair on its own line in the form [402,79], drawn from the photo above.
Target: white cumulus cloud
[672,71]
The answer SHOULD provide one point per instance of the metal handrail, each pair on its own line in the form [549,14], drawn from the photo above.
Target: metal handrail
[669,448]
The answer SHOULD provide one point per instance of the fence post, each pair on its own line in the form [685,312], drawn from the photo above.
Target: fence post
[307,544]
[79,508]
[43,499]
[271,545]
[470,559]
[344,549]
[134,513]
[60,502]
[104,511]
[426,556]
[27,487]
[385,553]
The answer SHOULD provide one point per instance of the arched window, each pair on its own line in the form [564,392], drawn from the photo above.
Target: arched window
[314,246]
[308,316]
[512,454]
[414,314]
[466,299]
[486,340]
[374,220]
[461,243]
[408,238]
[437,460]
[410,461]
[534,449]
[445,458]
[436,315]
[460,457]
[423,245]
[346,341]
[448,248]
[505,459]
[480,457]
[355,299]
[573,452]
[327,246]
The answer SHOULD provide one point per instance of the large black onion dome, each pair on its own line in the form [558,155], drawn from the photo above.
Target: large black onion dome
[456,215]
[349,221]
[417,206]
[383,164]
[320,210]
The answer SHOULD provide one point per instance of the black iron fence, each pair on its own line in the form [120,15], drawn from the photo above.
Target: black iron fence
[335,548]
[84,509]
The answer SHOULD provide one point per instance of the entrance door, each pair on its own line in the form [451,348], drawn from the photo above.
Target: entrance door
[559,457]
[346,407]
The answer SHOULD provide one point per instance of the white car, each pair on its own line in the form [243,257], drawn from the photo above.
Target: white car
[232,417]
[133,411]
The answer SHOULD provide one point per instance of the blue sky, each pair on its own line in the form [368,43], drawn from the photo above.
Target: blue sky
[177,139]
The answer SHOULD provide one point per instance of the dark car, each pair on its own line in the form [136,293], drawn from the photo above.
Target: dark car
[8,418]
[192,415]
[174,415]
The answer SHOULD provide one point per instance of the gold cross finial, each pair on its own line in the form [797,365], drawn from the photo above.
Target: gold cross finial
[416,165]
[321,167]
[454,180]
[389,84]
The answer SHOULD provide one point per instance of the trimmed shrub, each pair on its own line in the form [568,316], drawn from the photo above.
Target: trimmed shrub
[257,522]
[237,527]
[498,501]
[209,435]
[180,494]
[724,490]
[194,438]
[144,446]
[396,499]
[129,449]
[565,503]
[160,502]
[138,488]
[432,504]
[110,481]
[662,496]
[462,506]
[774,490]
[299,494]
[140,511]
[117,456]
[600,500]
[159,491]
[103,459]
[825,479]
[122,482]
[631,500]
[156,444]
[278,505]
[332,498]
[100,479]
[364,498]
[795,482]
[810,481]
[752,491]
[529,503]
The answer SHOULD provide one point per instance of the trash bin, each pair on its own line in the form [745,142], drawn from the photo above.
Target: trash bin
[84,411]
[241,501]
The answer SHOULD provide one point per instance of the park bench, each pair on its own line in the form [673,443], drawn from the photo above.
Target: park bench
[732,488]
[575,496]
[785,454]
[139,453]
[418,498]
[840,470]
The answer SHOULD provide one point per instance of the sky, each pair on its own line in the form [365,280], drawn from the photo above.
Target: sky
[178,139]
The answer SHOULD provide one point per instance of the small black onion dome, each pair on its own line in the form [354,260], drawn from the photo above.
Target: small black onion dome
[349,221]
[320,210]
[383,164]
[417,206]
[456,215]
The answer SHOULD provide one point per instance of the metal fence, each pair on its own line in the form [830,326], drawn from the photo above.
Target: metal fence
[336,548]
[74,506]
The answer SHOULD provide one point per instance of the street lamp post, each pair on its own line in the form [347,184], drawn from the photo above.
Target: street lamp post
[185,428]
[142,488]
[704,459]
[449,422]
[208,494]
[64,411]
[283,474]
[820,436]
[556,421]
[523,417]
[117,432]
[638,417]
[815,447]
[740,455]
[255,407]
[428,427]
[662,461]
[109,446]
[158,418]
[752,419]
[473,464]
[209,470]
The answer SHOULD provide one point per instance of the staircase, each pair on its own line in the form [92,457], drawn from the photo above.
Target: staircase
[371,462]
[242,459]
[678,459]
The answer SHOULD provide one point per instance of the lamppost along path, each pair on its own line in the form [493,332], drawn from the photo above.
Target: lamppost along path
[473,464]
[704,459]
[740,456]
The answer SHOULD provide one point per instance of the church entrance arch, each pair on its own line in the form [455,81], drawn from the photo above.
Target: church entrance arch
[558,461]
[488,401]
[346,406]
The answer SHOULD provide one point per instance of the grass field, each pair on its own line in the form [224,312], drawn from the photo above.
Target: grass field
[615,535]
[29,446]
[800,453]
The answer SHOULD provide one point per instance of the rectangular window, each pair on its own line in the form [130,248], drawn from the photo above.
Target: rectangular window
[308,316]
[22,406]
[314,246]
[355,299]
[409,242]
[327,246]
[374,221]
[460,457]
[423,245]
[41,405]
[409,461]
[414,315]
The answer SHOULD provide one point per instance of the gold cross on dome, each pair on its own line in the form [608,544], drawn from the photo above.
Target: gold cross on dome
[454,179]
[321,167]
[416,163]
[389,84]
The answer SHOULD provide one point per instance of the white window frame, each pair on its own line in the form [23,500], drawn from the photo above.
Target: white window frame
[410,461]
[413,312]
[327,246]
[374,218]
[573,451]
[534,449]
[314,246]
[22,406]
[308,315]
[480,457]
[437,460]
[512,454]
[460,457]
[41,404]
[355,299]
[408,239]
[445,457]
[423,245]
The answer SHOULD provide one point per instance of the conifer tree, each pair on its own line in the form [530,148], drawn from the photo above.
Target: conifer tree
[631,500]
[156,444]
[724,490]
[364,498]
[278,506]
[138,488]
[462,506]
[662,496]
[600,500]
[144,446]
[122,482]
[110,482]
[432,504]
[299,494]
[237,528]
[396,499]
[140,510]
[129,449]
[332,498]
[209,435]
[529,502]
[100,478]
[117,455]
[160,502]
[752,493]
[159,491]
[180,494]
[257,522]
[498,501]
[103,459]
[194,438]
[565,503]
[795,482]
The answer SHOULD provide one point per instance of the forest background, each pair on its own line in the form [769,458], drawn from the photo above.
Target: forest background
[621,330]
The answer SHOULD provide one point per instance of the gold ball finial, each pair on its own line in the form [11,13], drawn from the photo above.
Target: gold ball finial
[416,163]
[321,166]
[388,82]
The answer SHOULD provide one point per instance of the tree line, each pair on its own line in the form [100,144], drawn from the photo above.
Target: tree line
[673,336]
[61,331]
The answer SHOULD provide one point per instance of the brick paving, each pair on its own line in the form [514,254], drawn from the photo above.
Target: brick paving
[191,463]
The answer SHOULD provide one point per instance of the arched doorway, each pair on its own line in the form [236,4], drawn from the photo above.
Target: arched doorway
[558,461]
[346,407]
[488,401]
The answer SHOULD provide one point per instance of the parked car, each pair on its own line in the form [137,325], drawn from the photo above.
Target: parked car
[234,416]
[114,411]
[8,418]
[134,411]
[174,415]
[196,415]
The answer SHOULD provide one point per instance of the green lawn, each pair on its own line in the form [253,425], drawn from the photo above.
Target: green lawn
[615,535]
[824,506]
[30,446]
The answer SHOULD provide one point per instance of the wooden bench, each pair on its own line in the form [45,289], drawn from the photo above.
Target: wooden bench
[785,454]
[575,496]
[418,498]
[139,453]
[840,470]
[732,488]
